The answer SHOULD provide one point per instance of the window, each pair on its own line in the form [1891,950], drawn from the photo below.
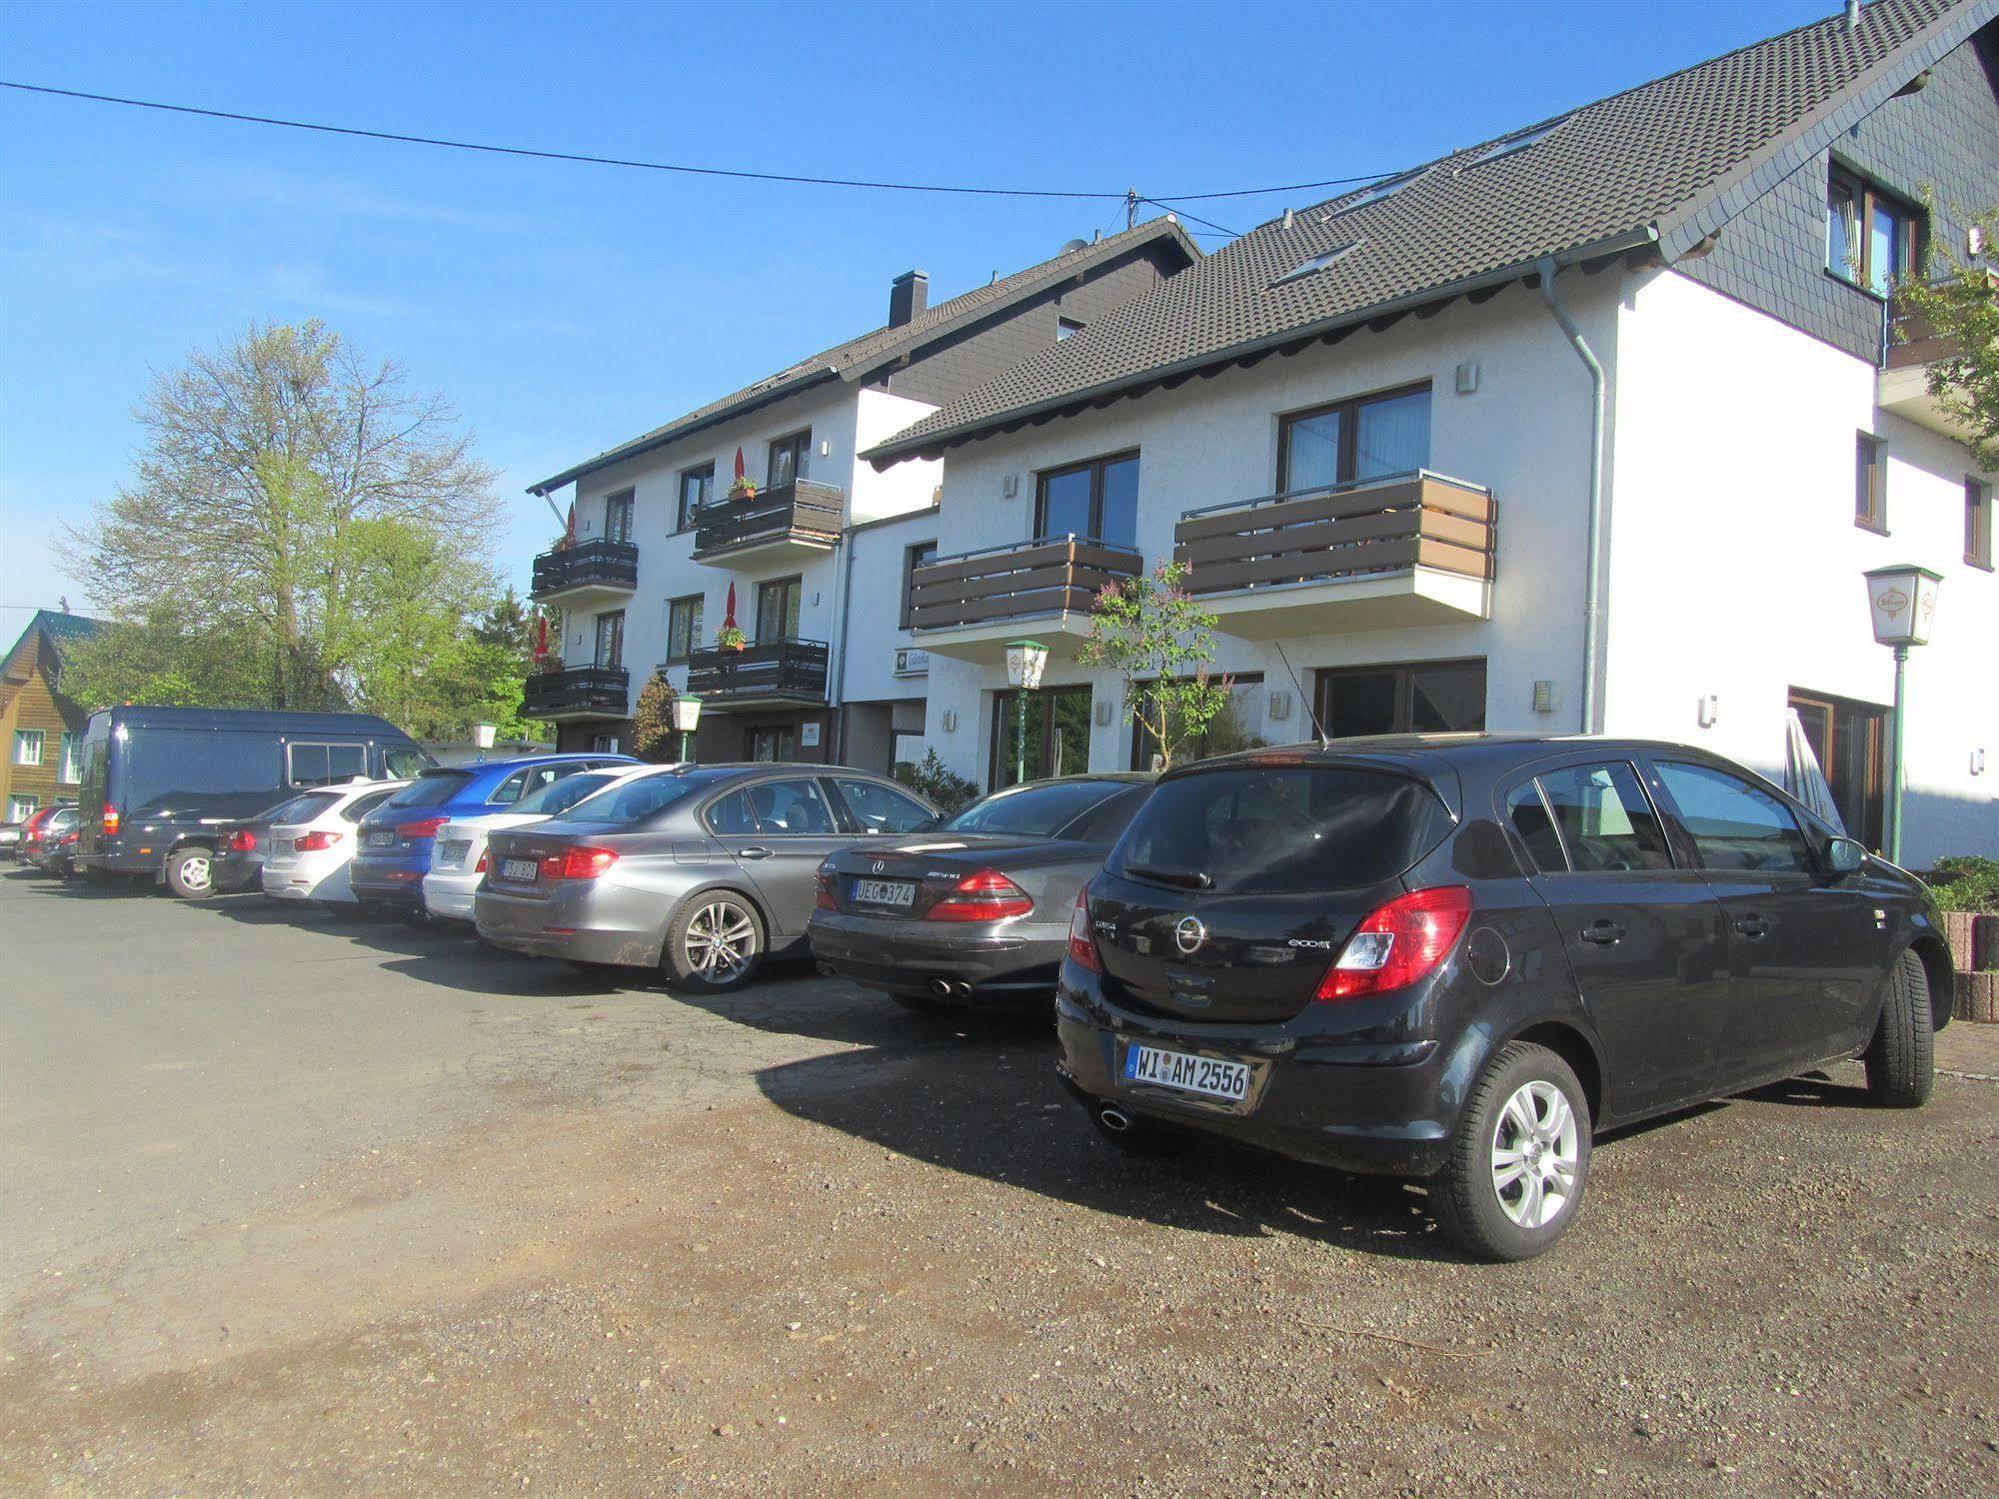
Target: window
[1735,825]
[913,557]
[1384,189]
[1050,738]
[1870,483]
[72,759]
[1592,819]
[697,491]
[788,458]
[882,809]
[324,764]
[1096,499]
[777,609]
[1041,811]
[795,807]
[1425,697]
[554,799]
[530,779]
[604,743]
[431,789]
[28,746]
[1519,141]
[404,761]
[1871,237]
[1066,327]
[1232,729]
[611,638]
[21,808]
[1977,535]
[1365,438]
[907,747]
[769,743]
[618,516]
[683,627]
[361,806]
[1312,265]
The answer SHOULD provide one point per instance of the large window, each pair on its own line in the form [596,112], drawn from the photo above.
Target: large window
[913,557]
[697,490]
[1365,438]
[323,764]
[1098,499]
[611,639]
[21,808]
[1234,728]
[1977,525]
[1419,697]
[1871,237]
[1047,735]
[788,457]
[28,746]
[72,759]
[1870,482]
[777,609]
[1735,825]
[618,516]
[683,627]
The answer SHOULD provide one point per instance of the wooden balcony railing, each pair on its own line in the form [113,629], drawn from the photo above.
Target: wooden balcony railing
[767,669]
[1389,524]
[600,563]
[801,511]
[1020,581]
[576,691]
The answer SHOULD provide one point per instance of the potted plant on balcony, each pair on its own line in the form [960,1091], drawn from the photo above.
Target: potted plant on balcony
[729,638]
[743,487]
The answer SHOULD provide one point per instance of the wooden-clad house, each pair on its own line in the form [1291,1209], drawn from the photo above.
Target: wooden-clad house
[41,731]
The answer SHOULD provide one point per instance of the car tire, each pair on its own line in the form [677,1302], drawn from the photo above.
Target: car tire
[714,943]
[191,872]
[1901,1059]
[1493,1196]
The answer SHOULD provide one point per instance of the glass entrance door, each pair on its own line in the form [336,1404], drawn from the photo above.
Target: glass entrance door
[1049,737]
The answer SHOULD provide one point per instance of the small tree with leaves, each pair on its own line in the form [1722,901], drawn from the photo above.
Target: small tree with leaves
[1160,641]
[1956,303]
[653,735]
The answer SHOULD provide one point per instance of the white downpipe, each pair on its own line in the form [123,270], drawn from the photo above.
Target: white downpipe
[836,668]
[1592,545]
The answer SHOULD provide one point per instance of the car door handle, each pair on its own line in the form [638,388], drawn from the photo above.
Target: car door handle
[1603,933]
[753,853]
[1753,927]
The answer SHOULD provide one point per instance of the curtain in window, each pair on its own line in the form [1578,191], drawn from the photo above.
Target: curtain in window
[1392,436]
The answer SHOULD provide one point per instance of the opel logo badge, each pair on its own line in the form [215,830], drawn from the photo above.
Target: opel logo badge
[1189,934]
[878,866]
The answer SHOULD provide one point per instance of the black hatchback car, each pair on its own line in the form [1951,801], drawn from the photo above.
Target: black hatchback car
[1457,958]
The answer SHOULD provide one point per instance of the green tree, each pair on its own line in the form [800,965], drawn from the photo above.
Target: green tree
[653,735]
[1956,302]
[1160,641]
[166,659]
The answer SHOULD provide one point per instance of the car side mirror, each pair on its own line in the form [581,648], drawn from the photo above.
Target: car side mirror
[1846,855]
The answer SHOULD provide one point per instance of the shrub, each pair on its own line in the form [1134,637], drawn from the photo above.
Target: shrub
[1965,882]
[937,783]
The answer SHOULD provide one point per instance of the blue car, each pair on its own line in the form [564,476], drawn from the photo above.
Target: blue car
[395,840]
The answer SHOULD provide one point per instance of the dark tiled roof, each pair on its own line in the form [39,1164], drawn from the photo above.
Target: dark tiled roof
[59,627]
[1668,161]
[857,357]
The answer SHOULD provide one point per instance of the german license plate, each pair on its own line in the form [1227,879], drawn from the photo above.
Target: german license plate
[523,870]
[1188,1074]
[885,892]
[385,838]
[453,852]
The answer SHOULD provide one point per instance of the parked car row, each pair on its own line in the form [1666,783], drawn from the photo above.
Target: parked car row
[1455,959]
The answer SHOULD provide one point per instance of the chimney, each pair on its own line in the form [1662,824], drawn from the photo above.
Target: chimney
[908,295]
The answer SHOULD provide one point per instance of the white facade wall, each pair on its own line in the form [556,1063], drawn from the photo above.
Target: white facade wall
[1736,564]
[1523,434]
[874,625]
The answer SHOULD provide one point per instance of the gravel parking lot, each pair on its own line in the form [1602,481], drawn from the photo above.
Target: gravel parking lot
[325,1205]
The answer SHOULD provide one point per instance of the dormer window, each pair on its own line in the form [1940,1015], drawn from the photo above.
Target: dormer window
[1871,236]
[1317,263]
[1066,327]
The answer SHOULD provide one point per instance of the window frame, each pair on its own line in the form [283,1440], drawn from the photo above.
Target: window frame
[1866,195]
[696,606]
[329,745]
[620,512]
[683,513]
[799,445]
[16,800]
[615,618]
[793,584]
[1870,482]
[22,739]
[1140,757]
[69,758]
[1095,468]
[1348,410]
[910,563]
[1405,689]
[1067,328]
[1000,745]
[1677,857]
[1977,523]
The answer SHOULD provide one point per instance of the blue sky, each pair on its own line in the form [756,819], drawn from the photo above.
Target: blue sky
[565,308]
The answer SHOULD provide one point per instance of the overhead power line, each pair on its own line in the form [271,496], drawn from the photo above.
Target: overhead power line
[683,168]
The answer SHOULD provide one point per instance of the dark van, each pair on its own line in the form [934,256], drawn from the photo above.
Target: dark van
[159,784]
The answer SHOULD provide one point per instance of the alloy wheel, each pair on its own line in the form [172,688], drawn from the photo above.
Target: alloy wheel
[721,941]
[1536,1149]
[195,872]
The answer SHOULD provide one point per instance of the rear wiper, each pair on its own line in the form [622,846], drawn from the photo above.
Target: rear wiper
[1186,879]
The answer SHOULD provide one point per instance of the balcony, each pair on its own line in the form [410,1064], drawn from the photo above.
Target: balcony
[589,575]
[790,673]
[576,692]
[1405,549]
[971,604]
[1903,383]
[786,521]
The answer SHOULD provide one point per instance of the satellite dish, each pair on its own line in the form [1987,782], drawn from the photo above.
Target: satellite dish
[1074,245]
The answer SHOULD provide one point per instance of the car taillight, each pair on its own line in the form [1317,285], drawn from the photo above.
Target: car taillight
[110,820]
[579,863]
[242,841]
[985,896]
[313,843]
[822,895]
[480,867]
[423,828]
[1082,945]
[1398,943]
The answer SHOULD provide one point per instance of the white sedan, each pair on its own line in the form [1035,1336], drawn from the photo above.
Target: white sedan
[310,850]
[458,858]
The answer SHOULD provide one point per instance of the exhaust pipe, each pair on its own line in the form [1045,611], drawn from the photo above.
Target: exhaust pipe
[950,989]
[1113,1118]
[940,988]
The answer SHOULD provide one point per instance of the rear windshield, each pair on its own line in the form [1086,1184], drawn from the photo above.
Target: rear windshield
[431,789]
[1035,810]
[560,796]
[304,808]
[1278,829]
[637,800]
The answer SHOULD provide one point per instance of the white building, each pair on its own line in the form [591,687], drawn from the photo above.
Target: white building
[817,557]
[1371,425]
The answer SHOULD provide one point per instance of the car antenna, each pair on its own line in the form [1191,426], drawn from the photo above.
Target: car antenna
[1310,712]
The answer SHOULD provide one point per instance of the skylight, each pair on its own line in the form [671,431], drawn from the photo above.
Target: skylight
[1380,190]
[1518,142]
[1317,262]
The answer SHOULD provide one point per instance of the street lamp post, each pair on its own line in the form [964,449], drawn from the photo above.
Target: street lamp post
[686,718]
[1903,602]
[483,735]
[1025,661]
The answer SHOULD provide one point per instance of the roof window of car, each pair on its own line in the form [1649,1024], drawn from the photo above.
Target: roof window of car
[1520,140]
[1388,187]
[1312,265]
